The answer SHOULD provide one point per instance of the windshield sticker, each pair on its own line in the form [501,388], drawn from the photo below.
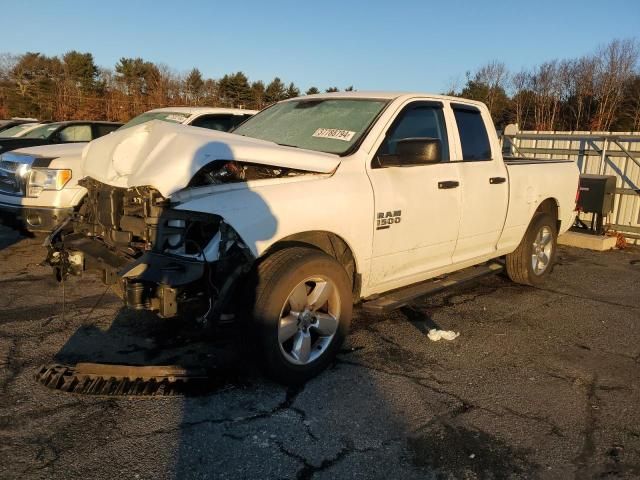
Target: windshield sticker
[176,117]
[334,134]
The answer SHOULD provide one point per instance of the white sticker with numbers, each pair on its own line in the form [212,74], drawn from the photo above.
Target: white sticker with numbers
[334,133]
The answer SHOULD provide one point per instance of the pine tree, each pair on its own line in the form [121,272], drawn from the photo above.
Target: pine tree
[193,86]
[257,95]
[292,91]
[275,91]
[234,90]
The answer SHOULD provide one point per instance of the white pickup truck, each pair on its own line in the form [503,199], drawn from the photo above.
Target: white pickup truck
[39,185]
[312,205]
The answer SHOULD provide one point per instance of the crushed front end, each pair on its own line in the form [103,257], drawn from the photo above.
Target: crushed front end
[173,262]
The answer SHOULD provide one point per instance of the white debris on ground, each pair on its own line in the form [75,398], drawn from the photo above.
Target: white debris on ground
[435,334]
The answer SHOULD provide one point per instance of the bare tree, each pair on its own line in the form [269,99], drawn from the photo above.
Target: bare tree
[7,63]
[495,76]
[615,65]
[519,85]
[582,77]
[546,87]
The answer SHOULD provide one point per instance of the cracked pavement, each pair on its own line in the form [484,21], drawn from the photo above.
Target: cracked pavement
[542,383]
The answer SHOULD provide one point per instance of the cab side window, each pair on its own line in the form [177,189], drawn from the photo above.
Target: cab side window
[223,123]
[422,120]
[75,133]
[473,133]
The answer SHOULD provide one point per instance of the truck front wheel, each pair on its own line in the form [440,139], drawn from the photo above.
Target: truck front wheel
[302,311]
[533,260]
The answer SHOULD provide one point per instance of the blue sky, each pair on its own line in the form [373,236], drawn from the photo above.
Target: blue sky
[375,45]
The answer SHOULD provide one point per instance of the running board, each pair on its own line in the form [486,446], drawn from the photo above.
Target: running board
[403,296]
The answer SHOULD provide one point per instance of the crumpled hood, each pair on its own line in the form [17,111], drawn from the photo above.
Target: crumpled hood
[166,155]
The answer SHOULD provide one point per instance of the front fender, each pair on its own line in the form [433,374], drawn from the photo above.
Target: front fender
[263,213]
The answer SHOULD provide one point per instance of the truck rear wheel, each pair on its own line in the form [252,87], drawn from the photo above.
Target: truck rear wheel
[533,260]
[302,311]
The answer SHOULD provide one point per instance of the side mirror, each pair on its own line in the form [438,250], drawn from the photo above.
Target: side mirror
[413,151]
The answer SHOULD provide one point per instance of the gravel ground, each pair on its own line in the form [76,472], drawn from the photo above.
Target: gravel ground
[541,383]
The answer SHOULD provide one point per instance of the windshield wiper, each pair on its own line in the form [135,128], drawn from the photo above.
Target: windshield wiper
[287,145]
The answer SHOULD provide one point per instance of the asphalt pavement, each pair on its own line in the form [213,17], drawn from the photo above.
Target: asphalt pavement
[541,383]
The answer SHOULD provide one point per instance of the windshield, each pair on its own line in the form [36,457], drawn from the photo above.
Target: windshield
[45,131]
[17,130]
[325,125]
[173,117]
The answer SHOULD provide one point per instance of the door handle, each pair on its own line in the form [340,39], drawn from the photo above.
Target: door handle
[496,180]
[448,184]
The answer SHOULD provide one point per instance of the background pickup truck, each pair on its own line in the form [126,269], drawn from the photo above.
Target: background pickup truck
[39,185]
[311,205]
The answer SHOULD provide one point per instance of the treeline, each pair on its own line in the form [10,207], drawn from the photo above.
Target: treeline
[597,92]
[72,86]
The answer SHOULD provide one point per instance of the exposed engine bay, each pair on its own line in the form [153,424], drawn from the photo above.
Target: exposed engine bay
[157,258]
[220,172]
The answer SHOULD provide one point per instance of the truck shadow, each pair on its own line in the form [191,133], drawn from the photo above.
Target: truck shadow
[142,339]
[9,235]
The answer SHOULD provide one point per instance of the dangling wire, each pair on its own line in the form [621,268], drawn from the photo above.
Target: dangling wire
[96,304]
[64,296]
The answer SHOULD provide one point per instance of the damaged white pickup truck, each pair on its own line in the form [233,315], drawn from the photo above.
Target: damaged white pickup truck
[311,205]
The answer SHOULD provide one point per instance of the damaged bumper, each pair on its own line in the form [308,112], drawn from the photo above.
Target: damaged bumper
[155,281]
[168,261]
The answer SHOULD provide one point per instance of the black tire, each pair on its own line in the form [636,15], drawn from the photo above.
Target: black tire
[275,279]
[520,267]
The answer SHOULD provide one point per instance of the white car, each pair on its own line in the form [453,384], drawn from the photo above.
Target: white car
[39,185]
[309,206]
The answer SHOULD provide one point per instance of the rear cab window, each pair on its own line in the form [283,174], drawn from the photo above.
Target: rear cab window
[220,122]
[472,130]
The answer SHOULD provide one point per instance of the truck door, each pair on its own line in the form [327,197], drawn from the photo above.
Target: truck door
[417,207]
[484,185]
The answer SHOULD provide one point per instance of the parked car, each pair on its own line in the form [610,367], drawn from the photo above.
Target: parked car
[19,130]
[59,132]
[5,124]
[310,205]
[39,185]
